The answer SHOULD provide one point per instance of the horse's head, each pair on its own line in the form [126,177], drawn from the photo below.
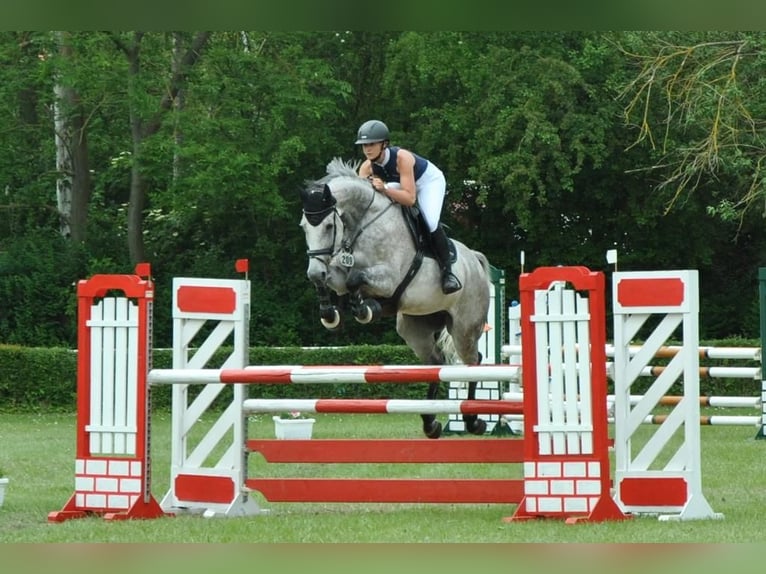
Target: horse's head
[323,230]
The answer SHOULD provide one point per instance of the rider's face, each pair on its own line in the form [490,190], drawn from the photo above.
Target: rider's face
[372,150]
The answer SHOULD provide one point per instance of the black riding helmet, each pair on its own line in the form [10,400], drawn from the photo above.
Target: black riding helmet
[372,131]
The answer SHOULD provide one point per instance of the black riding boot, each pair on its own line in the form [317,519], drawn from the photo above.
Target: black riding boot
[450,283]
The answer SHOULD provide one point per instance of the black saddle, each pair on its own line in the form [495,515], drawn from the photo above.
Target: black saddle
[420,234]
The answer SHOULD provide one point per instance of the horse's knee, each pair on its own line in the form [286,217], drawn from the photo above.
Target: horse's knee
[355,280]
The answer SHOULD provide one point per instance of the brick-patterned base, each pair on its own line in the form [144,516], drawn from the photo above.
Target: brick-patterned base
[562,486]
[107,484]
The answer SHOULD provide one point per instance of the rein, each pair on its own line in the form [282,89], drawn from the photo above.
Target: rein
[348,243]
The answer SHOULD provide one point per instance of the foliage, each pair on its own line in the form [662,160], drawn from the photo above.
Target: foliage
[696,102]
[37,275]
[529,128]
[293,416]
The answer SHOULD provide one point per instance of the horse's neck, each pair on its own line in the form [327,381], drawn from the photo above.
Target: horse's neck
[357,206]
[383,234]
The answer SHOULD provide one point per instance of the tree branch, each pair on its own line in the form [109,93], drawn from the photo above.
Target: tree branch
[188,60]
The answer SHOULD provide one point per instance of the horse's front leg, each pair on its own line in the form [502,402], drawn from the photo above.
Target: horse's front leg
[365,310]
[329,315]
[473,424]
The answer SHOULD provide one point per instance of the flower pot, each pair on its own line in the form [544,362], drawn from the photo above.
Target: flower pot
[293,428]
[3,486]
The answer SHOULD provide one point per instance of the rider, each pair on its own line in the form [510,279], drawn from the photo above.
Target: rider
[405,178]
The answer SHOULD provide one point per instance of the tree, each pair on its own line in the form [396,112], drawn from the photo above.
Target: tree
[146,120]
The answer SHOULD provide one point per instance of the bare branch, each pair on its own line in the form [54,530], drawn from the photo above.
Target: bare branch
[702,102]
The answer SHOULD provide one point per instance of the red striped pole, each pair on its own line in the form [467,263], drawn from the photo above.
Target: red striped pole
[383,406]
[710,420]
[332,374]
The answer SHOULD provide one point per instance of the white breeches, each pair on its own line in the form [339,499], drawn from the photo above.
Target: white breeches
[431,189]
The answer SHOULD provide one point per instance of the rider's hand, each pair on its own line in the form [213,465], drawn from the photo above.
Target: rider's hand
[378,184]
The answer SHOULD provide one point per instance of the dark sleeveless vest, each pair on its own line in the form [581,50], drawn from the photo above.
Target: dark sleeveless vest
[388,173]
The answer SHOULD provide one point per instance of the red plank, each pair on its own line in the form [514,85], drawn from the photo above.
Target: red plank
[204,299]
[201,488]
[389,490]
[653,491]
[648,292]
[393,450]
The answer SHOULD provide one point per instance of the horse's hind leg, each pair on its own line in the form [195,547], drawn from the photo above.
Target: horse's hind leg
[419,334]
[431,427]
[473,424]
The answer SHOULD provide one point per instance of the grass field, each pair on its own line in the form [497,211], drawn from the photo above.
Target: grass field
[37,453]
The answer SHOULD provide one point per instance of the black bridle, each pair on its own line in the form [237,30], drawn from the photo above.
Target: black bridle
[317,216]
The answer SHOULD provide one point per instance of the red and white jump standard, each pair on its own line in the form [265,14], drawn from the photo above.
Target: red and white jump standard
[112,464]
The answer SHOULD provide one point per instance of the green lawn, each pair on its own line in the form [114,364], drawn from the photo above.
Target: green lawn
[37,452]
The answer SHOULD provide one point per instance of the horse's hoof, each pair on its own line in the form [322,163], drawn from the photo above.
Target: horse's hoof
[479,426]
[363,315]
[368,311]
[375,308]
[434,430]
[333,321]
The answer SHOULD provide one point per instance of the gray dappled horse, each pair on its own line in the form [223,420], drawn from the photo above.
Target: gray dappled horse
[361,245]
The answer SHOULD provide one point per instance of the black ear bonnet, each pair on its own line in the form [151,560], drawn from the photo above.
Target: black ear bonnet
[317,204]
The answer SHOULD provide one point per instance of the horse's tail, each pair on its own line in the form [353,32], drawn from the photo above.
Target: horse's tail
[446,344]
[483,261]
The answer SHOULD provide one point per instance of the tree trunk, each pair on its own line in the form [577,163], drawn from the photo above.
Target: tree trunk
[178,103]
[72,165]
[136,207]
[64,163]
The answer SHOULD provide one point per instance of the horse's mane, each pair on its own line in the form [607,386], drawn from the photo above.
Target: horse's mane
[338,168]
